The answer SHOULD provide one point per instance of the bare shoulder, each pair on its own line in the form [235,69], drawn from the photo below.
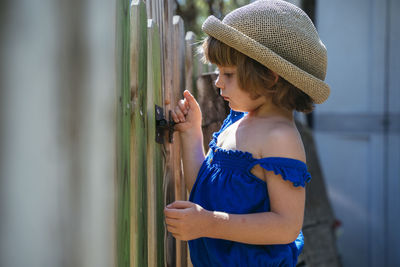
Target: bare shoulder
[276,138]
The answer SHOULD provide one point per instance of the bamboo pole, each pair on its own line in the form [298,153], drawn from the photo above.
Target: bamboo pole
[138,137]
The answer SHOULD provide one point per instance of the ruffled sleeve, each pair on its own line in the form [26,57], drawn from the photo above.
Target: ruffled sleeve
[292,170]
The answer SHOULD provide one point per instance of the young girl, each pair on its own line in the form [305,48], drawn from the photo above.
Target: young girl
[247,195]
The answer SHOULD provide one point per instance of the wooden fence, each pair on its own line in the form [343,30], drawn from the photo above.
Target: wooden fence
[157,61]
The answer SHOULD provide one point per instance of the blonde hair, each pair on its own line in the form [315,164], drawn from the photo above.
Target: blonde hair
[257,79]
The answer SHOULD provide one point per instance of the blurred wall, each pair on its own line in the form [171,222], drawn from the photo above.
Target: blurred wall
[357,130]
[57,122]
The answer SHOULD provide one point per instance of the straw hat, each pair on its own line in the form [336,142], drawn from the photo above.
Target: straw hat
[280,36]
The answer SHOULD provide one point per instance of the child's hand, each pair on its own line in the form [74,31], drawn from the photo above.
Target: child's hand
[186,220]
[187,113]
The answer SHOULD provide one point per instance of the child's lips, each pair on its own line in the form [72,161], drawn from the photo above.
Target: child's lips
[225,97]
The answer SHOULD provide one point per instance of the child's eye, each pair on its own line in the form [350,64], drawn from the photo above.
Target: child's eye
[228,75]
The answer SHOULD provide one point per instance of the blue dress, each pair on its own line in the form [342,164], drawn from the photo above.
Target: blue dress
[225,183]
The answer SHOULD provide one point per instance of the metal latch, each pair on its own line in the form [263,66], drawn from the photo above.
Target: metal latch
[163,125]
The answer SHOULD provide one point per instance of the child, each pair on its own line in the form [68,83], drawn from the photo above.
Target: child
[246,205]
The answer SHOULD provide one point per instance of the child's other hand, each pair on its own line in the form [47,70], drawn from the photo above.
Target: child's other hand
[186,220]
[187,113]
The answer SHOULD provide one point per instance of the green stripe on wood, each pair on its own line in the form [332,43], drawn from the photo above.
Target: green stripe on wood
[154,155]
[123,136]
[138,133]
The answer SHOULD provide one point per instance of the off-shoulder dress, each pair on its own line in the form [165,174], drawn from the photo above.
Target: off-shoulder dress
[225,183]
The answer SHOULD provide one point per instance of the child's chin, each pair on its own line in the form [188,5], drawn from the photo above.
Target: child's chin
[236,108]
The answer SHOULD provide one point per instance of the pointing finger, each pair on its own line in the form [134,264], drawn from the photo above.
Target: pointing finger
[189,98]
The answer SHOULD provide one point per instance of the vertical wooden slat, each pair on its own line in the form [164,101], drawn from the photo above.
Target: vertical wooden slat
[178,80]
[157,45]
[123,136]
[138,133]
[154,156]
[190,60]
[150,160]
[201,67]
[159,12]
[167,45]
[190,78]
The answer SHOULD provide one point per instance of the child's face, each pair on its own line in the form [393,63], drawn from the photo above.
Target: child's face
[239,100]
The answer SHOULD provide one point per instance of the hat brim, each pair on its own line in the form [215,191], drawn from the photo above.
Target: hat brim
[317,89]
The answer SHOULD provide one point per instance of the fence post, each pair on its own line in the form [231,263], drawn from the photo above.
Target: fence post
[138,137]
[190,66]
[154,154]
[178,81]
[168,173]
[123,137]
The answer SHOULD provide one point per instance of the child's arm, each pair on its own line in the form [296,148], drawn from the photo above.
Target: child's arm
[188,116]
[186,220]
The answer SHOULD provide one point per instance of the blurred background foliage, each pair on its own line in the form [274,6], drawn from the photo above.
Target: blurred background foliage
[194,12]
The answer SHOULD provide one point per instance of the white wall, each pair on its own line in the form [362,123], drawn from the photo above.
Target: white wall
[359,152]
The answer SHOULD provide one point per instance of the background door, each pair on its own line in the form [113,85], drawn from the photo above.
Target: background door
[357,129]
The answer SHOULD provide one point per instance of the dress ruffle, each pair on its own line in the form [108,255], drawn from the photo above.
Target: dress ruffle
[291,170]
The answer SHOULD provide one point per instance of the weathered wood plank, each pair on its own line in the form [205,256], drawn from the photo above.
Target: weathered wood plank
[178,81]
[138,134]
[190,63]
[123,137]
[167,47]
[190,78]
[154,154]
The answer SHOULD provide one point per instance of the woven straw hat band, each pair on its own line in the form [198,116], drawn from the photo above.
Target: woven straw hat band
[280,36]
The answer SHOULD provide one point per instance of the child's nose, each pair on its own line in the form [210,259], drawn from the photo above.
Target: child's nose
[219,83]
